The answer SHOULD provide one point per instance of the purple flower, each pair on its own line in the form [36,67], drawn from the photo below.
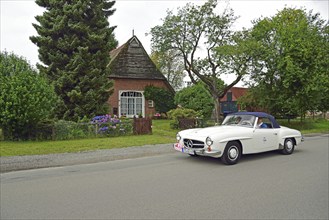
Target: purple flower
[103,129]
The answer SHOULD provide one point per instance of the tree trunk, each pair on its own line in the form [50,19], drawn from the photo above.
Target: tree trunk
[217,109]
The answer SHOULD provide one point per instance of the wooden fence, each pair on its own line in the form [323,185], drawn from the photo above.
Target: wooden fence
[142,126]
[187,123]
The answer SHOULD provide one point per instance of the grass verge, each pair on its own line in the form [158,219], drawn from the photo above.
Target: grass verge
[162,133]
[307,126]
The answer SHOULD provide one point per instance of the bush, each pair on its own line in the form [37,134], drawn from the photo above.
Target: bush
[182,113]
[99,126]
[196,97]
[179,113]
[26,98]
[163,99]
[1,135]
[42,131]
[66,130]
[112,126]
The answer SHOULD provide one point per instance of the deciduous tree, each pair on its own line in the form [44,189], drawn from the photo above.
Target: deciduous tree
[290,62]
[201,37]
[171,66]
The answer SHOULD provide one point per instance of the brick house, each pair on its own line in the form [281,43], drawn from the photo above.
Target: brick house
[131,71]
[229,101]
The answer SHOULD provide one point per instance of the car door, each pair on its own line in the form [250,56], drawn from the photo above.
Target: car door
[265,139]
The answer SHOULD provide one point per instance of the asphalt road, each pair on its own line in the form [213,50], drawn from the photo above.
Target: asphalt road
[176,186]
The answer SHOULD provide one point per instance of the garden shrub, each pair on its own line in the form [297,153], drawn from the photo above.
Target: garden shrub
[42,131]
[163,99]
[111,126]
[196,97]
[26,98]
[178,113]
[182,113]
[66,130]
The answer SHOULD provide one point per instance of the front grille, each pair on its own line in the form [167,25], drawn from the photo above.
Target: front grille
[193,143]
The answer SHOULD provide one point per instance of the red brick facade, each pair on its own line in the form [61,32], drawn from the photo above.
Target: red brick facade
[135,85]
[131,71]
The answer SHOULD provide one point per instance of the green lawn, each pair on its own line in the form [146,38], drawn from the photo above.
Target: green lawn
[307,126]
[162,133]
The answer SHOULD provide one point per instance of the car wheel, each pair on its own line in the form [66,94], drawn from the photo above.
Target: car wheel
[288,147]
[232,153]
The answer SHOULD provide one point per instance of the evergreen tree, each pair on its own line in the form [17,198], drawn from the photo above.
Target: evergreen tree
[74,40]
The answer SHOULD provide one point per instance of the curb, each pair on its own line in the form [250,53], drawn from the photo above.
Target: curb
[15,163]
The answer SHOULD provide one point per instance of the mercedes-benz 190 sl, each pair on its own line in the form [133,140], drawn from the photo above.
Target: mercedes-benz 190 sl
[240,133]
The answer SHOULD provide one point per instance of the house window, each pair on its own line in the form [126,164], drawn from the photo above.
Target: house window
[229,96]
[151,104]
[131,103]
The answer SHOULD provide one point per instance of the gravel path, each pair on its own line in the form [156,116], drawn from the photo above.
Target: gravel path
[15,163]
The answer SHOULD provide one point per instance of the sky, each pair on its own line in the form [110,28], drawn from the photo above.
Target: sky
[17,17]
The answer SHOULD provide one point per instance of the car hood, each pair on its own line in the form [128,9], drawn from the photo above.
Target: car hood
[216,131]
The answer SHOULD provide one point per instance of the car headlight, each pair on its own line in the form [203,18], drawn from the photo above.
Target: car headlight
[178,137]
[209,142]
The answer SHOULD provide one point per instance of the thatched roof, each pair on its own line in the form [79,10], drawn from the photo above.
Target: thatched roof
[131,61]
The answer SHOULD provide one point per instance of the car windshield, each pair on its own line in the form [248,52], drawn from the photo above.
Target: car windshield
[240,120]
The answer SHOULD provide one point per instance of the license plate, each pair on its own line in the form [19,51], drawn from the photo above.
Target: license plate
[183,149]
[187,150]
[178,147]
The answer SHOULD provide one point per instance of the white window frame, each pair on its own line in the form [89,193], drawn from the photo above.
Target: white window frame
[120,110]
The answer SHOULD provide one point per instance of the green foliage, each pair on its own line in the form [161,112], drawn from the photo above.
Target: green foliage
[178,113]
[290,62]
[1,135]
[194,27]
[161,134]
[74,40]
[26,98]
[182,113]
[196,97]
[163,99]
[66,130]
[171,67]
[308,125]
[69,130]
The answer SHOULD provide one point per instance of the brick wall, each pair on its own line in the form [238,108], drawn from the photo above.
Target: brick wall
[133,85]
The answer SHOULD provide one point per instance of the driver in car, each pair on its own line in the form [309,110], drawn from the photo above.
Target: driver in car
[261,124]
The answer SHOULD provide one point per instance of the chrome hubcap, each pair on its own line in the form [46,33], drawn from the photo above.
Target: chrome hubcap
[233,153]
[289,145]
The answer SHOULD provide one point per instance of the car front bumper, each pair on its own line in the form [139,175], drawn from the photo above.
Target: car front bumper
[197,151]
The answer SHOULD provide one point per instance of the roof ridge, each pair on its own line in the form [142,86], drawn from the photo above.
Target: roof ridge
[131,60]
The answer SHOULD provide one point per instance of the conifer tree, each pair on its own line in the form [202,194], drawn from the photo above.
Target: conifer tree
[74,40]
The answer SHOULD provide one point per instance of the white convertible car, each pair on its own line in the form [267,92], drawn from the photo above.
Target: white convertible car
[240,133]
